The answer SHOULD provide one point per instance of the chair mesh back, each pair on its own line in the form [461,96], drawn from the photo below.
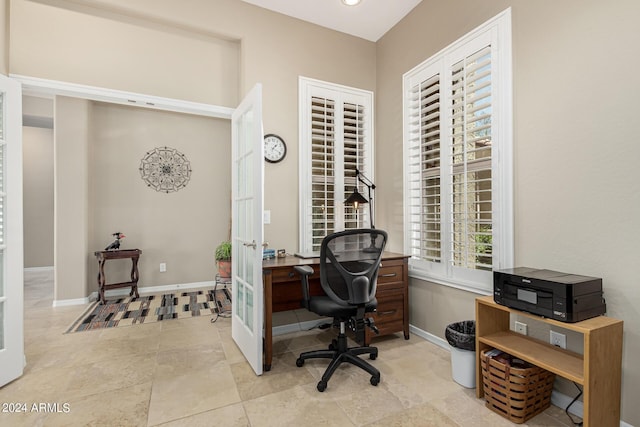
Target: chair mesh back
[347,255]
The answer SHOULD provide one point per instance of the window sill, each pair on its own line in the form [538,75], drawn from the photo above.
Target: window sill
[475,288]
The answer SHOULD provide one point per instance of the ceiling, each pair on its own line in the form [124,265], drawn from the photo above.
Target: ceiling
[369,20]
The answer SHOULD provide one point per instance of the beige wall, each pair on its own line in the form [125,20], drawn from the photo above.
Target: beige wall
[72,198]
[37,148]
[577,196]
[105,47]
[575,193]
[4,37]
[180,228]
[272,49]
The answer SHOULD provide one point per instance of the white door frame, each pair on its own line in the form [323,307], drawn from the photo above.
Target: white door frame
[39,87]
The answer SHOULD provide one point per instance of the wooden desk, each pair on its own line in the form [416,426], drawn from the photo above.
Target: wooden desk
[283,291]
[103,256]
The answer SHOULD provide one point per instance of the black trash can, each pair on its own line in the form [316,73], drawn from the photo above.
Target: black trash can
[462,339]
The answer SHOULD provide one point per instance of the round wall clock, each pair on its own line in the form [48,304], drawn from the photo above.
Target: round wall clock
[274,148]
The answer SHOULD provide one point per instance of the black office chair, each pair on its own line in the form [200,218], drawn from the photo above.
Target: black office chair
[349,262]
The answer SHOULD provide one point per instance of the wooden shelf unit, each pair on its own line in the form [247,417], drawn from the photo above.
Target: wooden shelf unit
[598,370]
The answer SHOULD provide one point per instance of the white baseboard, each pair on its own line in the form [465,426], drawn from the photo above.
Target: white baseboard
[38,269]
[562,401]
[147,290]
[429,337]
[297,327]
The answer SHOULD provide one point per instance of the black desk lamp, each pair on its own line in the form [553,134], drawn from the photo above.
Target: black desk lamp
[356,199]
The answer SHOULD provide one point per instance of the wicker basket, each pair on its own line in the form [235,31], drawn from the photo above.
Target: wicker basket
[516,394]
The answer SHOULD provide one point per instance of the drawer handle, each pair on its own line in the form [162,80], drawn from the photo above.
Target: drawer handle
[384,313]
[389,275]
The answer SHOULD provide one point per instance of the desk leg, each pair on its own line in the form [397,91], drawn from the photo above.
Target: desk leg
[405,308]
[267,281]
[101,280]
[134,277]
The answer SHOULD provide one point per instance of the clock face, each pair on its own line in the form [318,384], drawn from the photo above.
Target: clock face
[274,148]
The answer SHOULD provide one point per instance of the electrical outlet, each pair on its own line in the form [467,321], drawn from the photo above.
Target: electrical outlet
[521,328]
[558,339]
[163,267]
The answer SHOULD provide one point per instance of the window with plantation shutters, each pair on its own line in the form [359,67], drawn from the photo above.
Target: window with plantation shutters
[458,162]
[335,140]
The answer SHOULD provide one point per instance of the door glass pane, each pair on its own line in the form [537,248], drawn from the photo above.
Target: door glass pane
[242,261]
[1,325]
[240,301]
[248,220]
[248,177]
[1,219]
[2,148]
[2,116]
[248,265]
[2,200]
[2,155]
[249,313]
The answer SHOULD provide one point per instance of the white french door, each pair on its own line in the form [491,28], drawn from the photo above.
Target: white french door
[11,257]
[247,227]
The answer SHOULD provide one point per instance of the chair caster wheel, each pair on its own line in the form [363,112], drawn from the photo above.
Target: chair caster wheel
[374,381]
[373,356]
[299,362]
[322,386]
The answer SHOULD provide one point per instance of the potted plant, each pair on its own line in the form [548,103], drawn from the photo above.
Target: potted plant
[223,259]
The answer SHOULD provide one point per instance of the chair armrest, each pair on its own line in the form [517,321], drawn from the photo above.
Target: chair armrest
[305,271]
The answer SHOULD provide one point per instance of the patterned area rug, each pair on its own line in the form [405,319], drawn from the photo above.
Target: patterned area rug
[127,311]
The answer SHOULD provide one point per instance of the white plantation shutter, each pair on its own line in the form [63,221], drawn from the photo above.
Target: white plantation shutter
[336,139]
[323,165]
[355,157]
[458,201]
[424,170]
[470,162]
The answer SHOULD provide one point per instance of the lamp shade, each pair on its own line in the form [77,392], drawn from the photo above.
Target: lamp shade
[355,199]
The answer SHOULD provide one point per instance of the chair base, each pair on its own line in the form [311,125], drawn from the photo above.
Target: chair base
[339,353]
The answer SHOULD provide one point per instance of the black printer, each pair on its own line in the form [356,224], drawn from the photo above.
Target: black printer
[565,297]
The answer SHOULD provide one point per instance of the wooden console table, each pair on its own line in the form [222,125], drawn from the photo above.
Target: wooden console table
[103,256]
[283,291]
[598,370]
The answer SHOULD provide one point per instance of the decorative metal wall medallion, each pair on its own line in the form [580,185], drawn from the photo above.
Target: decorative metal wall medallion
[165,169]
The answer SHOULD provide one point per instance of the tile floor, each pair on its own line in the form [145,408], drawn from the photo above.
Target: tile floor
[189,372]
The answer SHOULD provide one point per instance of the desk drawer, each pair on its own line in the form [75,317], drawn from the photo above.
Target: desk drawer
[390,309]
[390,274]
[386,274]
[389,317]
